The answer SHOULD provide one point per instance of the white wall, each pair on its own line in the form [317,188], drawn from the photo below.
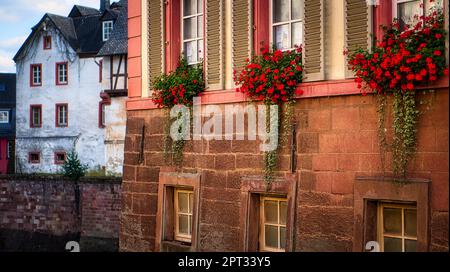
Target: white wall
[82,96]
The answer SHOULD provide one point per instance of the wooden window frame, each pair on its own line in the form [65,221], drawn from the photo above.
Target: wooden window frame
[263,224]
[47,44]
[30,160]
[165,235]
[251,190]
[106,100]
[177,235]
[32,124]
[197,38]
[369,191]
[32,84]
[288,22]
[380,223]
[103,29]
[7,117]
[57,120]
[56,154]
[57,70]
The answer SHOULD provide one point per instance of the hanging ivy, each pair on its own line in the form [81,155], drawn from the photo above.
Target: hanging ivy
[403,60]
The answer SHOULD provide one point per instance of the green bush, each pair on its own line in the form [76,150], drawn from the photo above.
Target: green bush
[73,168]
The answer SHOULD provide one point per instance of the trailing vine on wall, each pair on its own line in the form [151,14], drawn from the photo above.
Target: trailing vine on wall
[402,61]
[178,87]
[272,78]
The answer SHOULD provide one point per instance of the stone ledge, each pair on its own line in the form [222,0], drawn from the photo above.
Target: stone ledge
[59,178]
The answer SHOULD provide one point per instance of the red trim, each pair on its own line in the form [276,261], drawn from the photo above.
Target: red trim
[34,161]
[32,125]
[57,73]
[173,35]
[106,100]
[56,154]
[31,74]
[382,16]
[47,42]
[100,71]
[261,26]
[57,108]
[310,90]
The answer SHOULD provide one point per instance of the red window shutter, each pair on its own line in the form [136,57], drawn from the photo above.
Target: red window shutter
[261,26]
[173,34]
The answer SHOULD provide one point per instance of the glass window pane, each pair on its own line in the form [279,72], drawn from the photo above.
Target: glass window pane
[183,224]
[200,49]
[270,212]
[190,51]
[282,237]
[410,223]
[392,244]
[190,224]
[392,218]
[200,26]
[297,9]
[189,7]
[200,6]
[408,13]
[283,212]
[183,202]
[410,245]
[281,36]
[280,11]
[189,26]
[297,34]
[271,236]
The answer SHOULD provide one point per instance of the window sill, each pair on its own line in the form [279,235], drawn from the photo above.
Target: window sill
[176,246]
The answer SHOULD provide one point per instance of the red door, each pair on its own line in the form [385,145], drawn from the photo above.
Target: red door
[3,156]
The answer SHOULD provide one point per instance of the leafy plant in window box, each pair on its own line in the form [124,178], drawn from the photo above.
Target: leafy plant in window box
[272,77]
[179,87]
[402,61]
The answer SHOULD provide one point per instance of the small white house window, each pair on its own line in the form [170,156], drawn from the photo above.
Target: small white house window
[192,34]
[62,73]
[62,115]
[287,23]
[273,223]
[407,12]
[107,29]
[36,75]
[183,215]
[4,117]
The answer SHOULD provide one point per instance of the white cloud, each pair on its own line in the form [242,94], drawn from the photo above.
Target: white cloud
[12,43]
[6,16]
[6,63]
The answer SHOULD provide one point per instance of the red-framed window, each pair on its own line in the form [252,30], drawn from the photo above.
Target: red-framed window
[35,116]
[100,71]
[62,73]
[60,157]
[62,115]
[47,42]
[185,32]
[36,75]
[34,157]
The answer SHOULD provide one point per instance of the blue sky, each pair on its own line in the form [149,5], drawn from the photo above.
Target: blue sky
[18,16]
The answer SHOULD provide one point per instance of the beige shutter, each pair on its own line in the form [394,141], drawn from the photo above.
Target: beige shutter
[314,40]
[358,26]
[155,38]
[214,44]
[241,32]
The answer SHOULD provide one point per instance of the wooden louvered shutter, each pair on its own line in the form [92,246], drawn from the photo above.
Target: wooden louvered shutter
[241,32]
[155,39]
[214,44]
[314,40]
[358,26]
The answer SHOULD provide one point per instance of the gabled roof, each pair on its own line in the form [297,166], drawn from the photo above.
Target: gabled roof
[118,41]
[82,28]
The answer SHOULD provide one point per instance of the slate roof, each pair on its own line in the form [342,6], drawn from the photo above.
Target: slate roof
[83,30]
[118,41]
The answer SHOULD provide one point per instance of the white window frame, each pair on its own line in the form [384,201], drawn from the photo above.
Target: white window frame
[63,73]
[395,7]
[262,225]
[197,38]
[380,227]
[289,22]
[36,74]
[107,25]
[177,235]
[4,113]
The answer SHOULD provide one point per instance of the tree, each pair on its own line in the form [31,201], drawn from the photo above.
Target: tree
[72,167]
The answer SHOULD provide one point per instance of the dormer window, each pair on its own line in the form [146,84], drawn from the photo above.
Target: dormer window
[47,42]
[107,29]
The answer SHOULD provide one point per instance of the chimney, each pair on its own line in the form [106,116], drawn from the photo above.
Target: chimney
[104,4]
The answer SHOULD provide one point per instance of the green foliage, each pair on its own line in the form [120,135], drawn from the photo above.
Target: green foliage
[73,168]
